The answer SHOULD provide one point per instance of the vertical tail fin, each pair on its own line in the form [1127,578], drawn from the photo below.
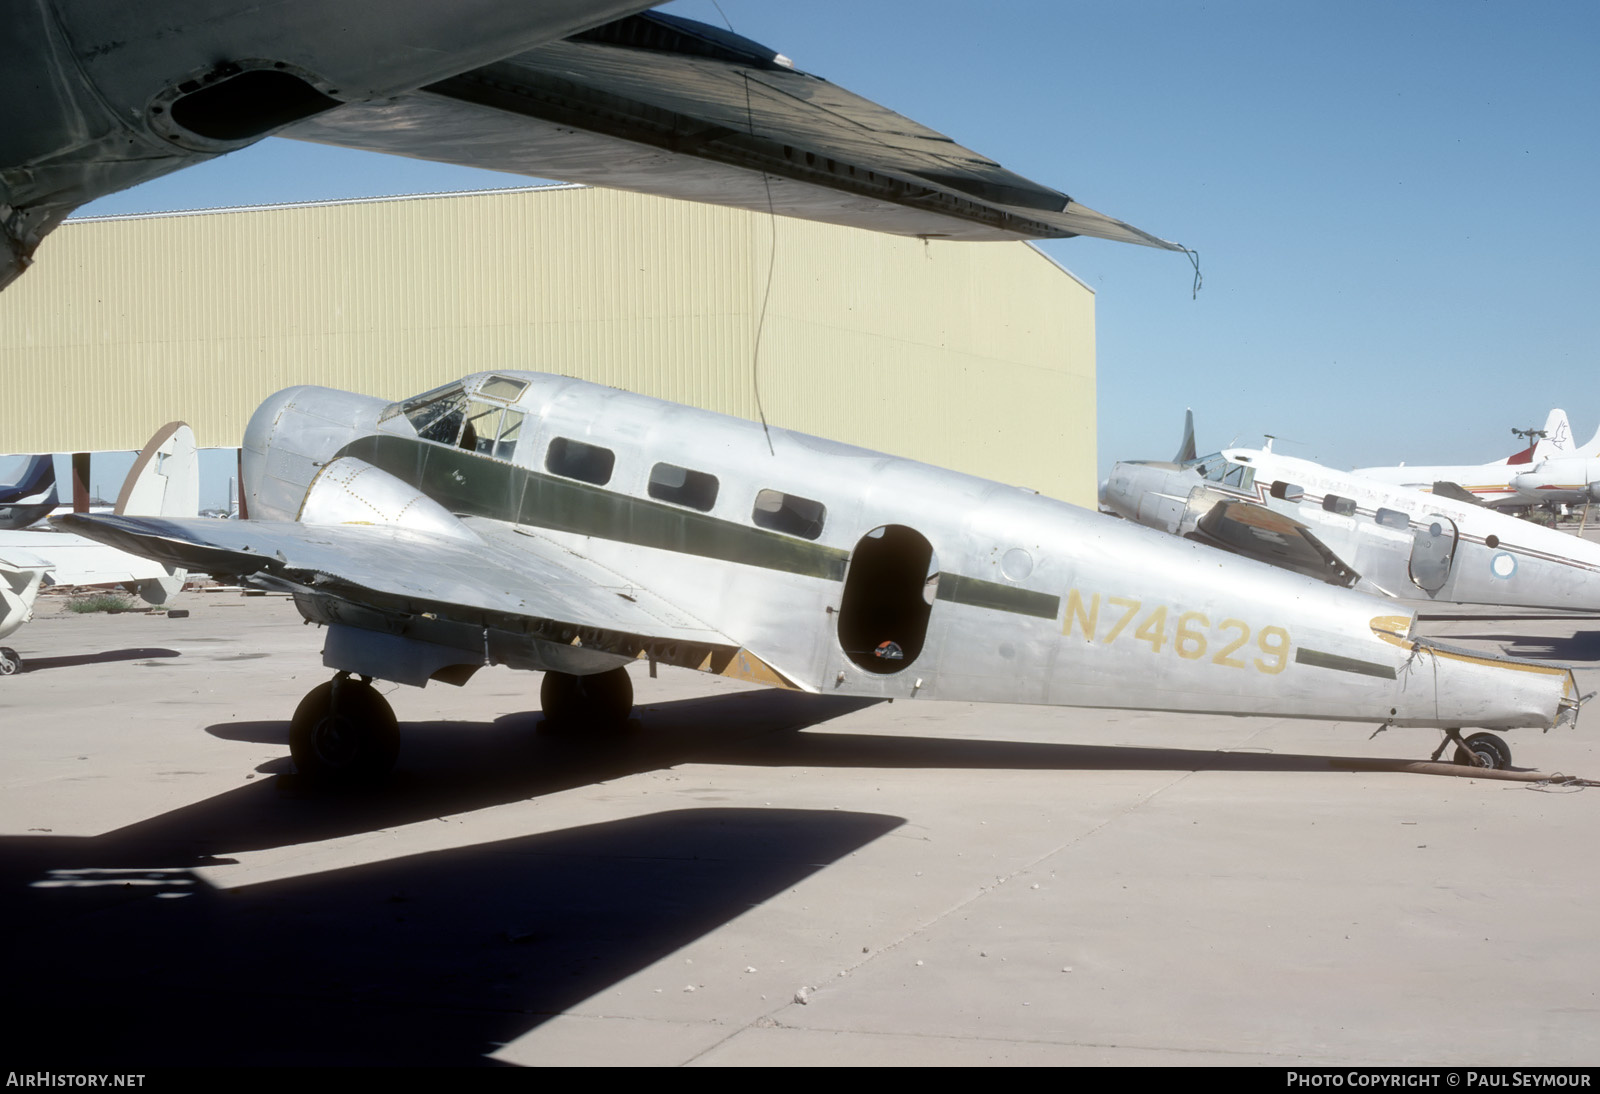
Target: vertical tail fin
[1557,439]
[164,482]
[1186,450]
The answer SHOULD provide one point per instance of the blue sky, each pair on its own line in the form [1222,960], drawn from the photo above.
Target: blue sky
[1394,203]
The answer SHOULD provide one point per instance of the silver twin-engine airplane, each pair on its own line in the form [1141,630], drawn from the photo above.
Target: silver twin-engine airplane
[1348,530]
[545,523]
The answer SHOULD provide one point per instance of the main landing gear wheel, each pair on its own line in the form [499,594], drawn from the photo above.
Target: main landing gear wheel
[1484,750]
[344,732]
[10,661]
[602,700]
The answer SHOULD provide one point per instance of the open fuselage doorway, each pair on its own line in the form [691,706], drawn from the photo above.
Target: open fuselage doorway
[888,596]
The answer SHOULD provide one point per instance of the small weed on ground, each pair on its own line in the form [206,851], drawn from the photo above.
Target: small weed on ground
[101,602]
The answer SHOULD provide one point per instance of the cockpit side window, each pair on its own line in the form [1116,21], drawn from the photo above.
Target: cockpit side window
[1217,468]
[436,415]
[1209,467]
[1239,476]
[491,430]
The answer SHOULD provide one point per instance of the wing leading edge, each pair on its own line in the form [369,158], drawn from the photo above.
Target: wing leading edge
[537,607]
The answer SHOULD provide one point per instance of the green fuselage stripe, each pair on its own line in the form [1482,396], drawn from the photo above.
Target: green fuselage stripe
[1318,659]
[469,484]
[472,485]
[979,593]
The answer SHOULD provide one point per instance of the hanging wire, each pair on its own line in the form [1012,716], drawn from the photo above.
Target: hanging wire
[1194,260]
[772,263]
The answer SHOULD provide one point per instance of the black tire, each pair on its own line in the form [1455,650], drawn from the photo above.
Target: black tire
[603,700]
[1485,750]
[344,732]
[10,661]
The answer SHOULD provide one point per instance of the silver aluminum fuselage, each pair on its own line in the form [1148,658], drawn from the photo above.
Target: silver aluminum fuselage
[1494,558]
[1032,600]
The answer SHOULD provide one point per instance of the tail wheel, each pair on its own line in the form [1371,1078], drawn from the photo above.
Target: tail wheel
[344,731]
[603,700]
[10,662]
[1484,750]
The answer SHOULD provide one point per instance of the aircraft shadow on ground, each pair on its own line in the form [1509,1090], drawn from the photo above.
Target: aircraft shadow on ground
[122,957]
[40,664]
[451,768]
[1582,646]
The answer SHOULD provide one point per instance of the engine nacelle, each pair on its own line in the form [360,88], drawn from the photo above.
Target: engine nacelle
[352,491]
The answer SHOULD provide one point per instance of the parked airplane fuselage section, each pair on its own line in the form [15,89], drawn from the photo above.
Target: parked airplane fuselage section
[1398,542]
[32,496]
[837,569]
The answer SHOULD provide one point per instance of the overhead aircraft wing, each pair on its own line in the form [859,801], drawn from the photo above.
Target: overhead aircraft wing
[664,105]
[529,586]
[1260,533]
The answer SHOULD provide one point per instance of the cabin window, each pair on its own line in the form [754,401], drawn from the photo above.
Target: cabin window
[1345,507]
[491,430]
[575,460]
[1288,491]
[1392,518]
[789,514]
[681,486]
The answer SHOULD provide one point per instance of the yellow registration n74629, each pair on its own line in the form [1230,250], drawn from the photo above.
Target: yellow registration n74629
[1190,635]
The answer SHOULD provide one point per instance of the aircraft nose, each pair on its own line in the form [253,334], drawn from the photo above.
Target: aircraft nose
[1115,491]
[291,436]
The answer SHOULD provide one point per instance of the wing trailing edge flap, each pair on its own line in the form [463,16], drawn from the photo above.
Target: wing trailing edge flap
[663,105]
[392,574]
[1260,533]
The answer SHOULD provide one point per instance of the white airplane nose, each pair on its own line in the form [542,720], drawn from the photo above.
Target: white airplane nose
[1105,491]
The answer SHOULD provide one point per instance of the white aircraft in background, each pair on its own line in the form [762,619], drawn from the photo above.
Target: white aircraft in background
[545,523]
[1347,530]
[1551,471]
[164,481]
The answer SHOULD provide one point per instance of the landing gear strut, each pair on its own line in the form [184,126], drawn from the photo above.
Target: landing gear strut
[343,732]
[10,661]
[1478,750]
[602,700]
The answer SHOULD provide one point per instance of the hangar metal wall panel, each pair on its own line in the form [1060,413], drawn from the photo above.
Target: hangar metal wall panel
[978,357]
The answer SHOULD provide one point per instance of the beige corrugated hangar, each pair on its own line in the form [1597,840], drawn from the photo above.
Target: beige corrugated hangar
[973,356]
